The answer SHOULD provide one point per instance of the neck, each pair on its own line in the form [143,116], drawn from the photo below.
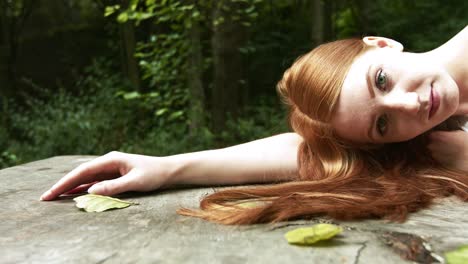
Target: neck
[454,57]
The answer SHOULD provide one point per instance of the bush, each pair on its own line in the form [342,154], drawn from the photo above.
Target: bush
[60,123]
[103,117]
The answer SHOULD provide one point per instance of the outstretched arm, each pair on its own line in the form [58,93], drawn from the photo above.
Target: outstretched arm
[270,159]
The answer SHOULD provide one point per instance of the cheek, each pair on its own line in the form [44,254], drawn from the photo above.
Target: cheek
[408,129]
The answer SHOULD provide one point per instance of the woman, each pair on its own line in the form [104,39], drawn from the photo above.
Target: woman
[360,110]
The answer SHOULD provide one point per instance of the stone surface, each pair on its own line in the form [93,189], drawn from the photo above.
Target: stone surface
[151,232]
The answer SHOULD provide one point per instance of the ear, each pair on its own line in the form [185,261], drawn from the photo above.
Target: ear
[381,42]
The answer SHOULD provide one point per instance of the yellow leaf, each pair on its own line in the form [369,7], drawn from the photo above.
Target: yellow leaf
[100,203]
[457,256]
[310,235]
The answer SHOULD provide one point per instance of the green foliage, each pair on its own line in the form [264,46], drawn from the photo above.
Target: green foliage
[99,112]
[258,121]
[164,55]
[60,123]
[8,159]
[14,8]
[419,25]
[103,117]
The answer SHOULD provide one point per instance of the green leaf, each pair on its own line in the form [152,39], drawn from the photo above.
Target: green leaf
[161,112]
[457,256]
[99,203]
[123,17]
[133,4]
[175,115]
[110,10]
[150,2]
[310,235]
[131,95]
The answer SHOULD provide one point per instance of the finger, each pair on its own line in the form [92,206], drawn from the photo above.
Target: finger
[80,189]
[122,184]
[101,168]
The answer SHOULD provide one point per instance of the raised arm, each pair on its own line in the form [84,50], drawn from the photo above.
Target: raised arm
[270,159]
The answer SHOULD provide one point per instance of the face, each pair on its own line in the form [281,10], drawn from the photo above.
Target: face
[393,96]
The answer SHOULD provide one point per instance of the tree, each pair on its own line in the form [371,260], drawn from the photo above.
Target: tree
[13,16]
[195,84]
[228,36]
[128,44]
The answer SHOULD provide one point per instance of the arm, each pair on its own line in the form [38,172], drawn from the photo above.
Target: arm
[265,160]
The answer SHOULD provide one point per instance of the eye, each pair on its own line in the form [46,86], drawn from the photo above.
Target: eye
[382,124]
[381,80]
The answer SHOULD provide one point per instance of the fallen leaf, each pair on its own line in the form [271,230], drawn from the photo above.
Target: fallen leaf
[100,203]
[457,256]
[411,247]
[310,235]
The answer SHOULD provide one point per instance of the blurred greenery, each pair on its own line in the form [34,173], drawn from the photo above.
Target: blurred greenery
[150,76]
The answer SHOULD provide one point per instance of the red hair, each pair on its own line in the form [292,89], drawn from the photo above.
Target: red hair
[336,178]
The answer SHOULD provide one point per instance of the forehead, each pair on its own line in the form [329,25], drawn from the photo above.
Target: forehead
[353,113]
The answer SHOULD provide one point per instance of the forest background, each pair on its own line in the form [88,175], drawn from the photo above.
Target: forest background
[160,77]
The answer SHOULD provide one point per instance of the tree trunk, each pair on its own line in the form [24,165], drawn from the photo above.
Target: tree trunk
[328,23]
[128,44]
[195,84]
[4,48]
[317,8]
[4,78]
[361,12]
[228,37]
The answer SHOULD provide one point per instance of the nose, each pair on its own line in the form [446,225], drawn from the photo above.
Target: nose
[404,101]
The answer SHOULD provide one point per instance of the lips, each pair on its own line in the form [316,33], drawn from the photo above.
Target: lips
[435,102]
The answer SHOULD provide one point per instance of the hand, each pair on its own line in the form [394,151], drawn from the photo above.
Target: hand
[450,148]
[116,172]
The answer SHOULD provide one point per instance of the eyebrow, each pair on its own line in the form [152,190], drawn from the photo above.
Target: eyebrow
[371,129]
[370,87]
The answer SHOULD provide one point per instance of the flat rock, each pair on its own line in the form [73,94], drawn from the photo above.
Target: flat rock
[151,232]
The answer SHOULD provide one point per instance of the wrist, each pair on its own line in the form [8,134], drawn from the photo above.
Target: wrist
[177,167]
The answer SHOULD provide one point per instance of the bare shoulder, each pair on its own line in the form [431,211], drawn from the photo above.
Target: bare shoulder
[464,33]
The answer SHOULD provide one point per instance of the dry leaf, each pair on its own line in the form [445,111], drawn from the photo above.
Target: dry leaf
[100,203]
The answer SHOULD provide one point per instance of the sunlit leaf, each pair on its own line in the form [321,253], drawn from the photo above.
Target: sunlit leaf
[99,203]
[175,115]
[131,95]
[310,235]
[457,256]
[161,112]
[110,10]
[123,17]
[150,2]
[133,4]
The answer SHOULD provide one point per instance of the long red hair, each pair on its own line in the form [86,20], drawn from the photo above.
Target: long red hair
[336,178]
